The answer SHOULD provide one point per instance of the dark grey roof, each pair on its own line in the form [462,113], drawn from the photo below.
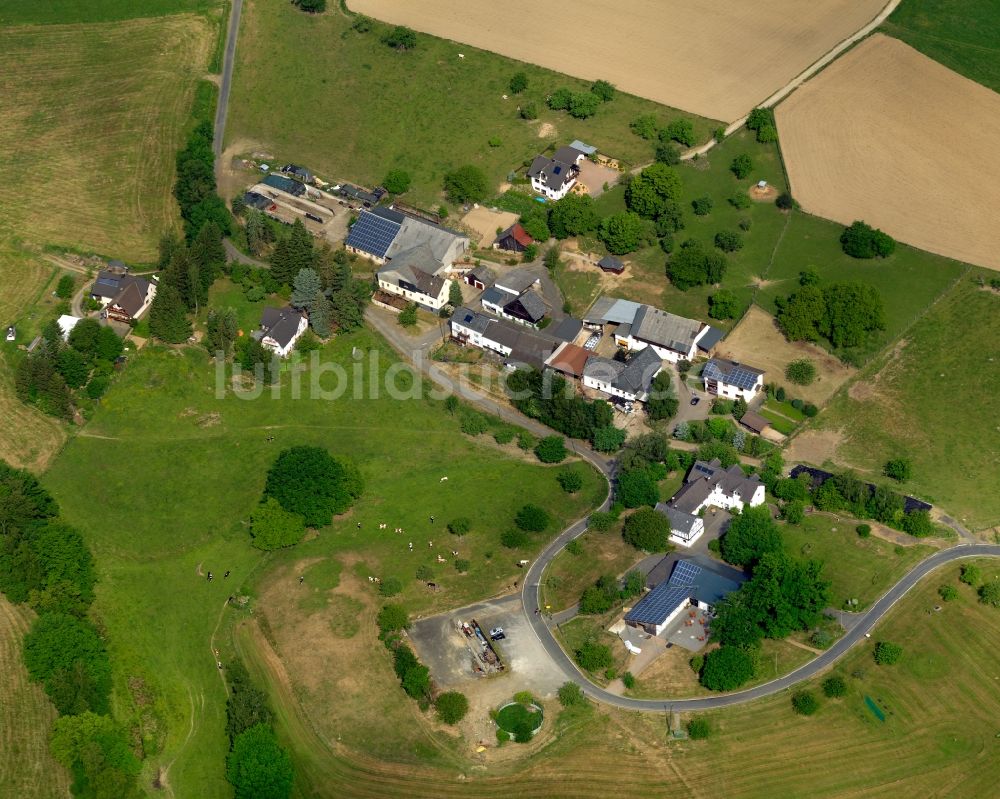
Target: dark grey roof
[711,337]
[281,324]
[665,329]
[554,172]
[633,377]
[706,585]
[731,373]
[359,194]
[132,297]
[483,273]
[612,263]
[567,329]
[302,172]
[111,284]
[533,305]
[567,154]
[415,268]
[494,296]
[257,200]
[611,310]
[414,231]
[374,231]
[703,478]
[470,319]
[688,580]
[284,184]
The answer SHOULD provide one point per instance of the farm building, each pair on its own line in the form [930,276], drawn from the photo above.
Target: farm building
[569,359]
[554,177]
[286,185]
[514,239]
[690,584]
[124,297]
[710,485]
[411,275]
[280,328]
[611,264]
[754,422]
[629,381]
[567,329]
[519,346]
[512,297]
[254,199]
[637,326]
[685,528]
[297,171]
[732,380]
[366,198]
[480,277]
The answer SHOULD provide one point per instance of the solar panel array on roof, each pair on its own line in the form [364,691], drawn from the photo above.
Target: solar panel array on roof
[735,374]
[373,234]
[708,471]
[685,573]
[108,281]
[659,603]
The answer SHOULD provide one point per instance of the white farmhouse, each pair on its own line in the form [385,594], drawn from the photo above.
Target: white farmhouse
[630,381]
[554,177]
[280,328]
[731,379]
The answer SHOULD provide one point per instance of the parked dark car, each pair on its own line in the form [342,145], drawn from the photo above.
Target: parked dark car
[695,400]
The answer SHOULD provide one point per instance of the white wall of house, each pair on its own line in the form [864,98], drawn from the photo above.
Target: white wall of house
[477,339]
[688,539]
[435,303]
[680,609]
[364,254]
[607,388]
[719,499]
[635,345]
[274,346]
[728,391]
[563,190]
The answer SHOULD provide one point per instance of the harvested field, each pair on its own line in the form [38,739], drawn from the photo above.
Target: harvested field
[756,341]
[889,136]
[27,770]
[484,223]
[714,59]
[93,115]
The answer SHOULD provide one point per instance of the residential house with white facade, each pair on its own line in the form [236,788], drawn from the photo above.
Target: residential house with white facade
[732,380]
[555,177]
[280,328]
[516,344]
[629,380]
[513,297]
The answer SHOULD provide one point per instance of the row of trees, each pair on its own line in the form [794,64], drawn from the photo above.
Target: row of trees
[679,130]
[45,563]
[257,766]
[195,187]
[581,105]
[58,371]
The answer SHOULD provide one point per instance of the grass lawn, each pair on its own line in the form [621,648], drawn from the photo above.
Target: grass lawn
[857,568]
[64,12]
[908,281]
[226,294]
[352,109]
[964,35]
[575,632]
[601,553]
[509,717]
[780,423]
[181,470]
[95,114]
[932,400]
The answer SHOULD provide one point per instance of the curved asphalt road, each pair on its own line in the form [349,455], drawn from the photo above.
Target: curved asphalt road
[531,596]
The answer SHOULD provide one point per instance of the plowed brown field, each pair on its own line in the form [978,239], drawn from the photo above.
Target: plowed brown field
[889,136]
[716,58]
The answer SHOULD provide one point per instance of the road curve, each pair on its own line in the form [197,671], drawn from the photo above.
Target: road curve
[229,57]
[531,595]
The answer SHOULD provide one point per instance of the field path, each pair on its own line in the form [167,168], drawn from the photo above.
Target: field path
[229,58]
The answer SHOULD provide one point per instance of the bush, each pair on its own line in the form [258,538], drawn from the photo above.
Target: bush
[887,654]
[863,241]
[400,38]
[570,480]
[593,656]
[451,707]
[514,539]
[392,618]
[571,694]
[697,662]
[551,449]
[742,166]
[311,6]
[785,201]
[802,372]
[466,184]
[518,83]
[702,205]
[741,200]
[628,680]
[312,483]
[525,440]
[460,526]
[532,519]
[899,469]
[970,574]
[574,547]
[667,153]
[804,703]
[424,573]
[648,529]
[863,530]
[726,669]
[834,687]
[258,766]
[603,90]
[461,565]
[728,241]
[948,593]
[645,127]
[396,181]
[390,586]
[527,111]
[474,424]
[698,729]
[601,521]
[810,410]
[272,527]
[723,305]
[681,131]
[989,593]
[98,386]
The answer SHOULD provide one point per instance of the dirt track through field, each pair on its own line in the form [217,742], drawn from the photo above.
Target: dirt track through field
[717,59]
[889,136]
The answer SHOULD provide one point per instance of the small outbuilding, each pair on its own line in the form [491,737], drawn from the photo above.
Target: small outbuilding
[754,422]
[514,239]
[611,264]
[480,277]
[11,333]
